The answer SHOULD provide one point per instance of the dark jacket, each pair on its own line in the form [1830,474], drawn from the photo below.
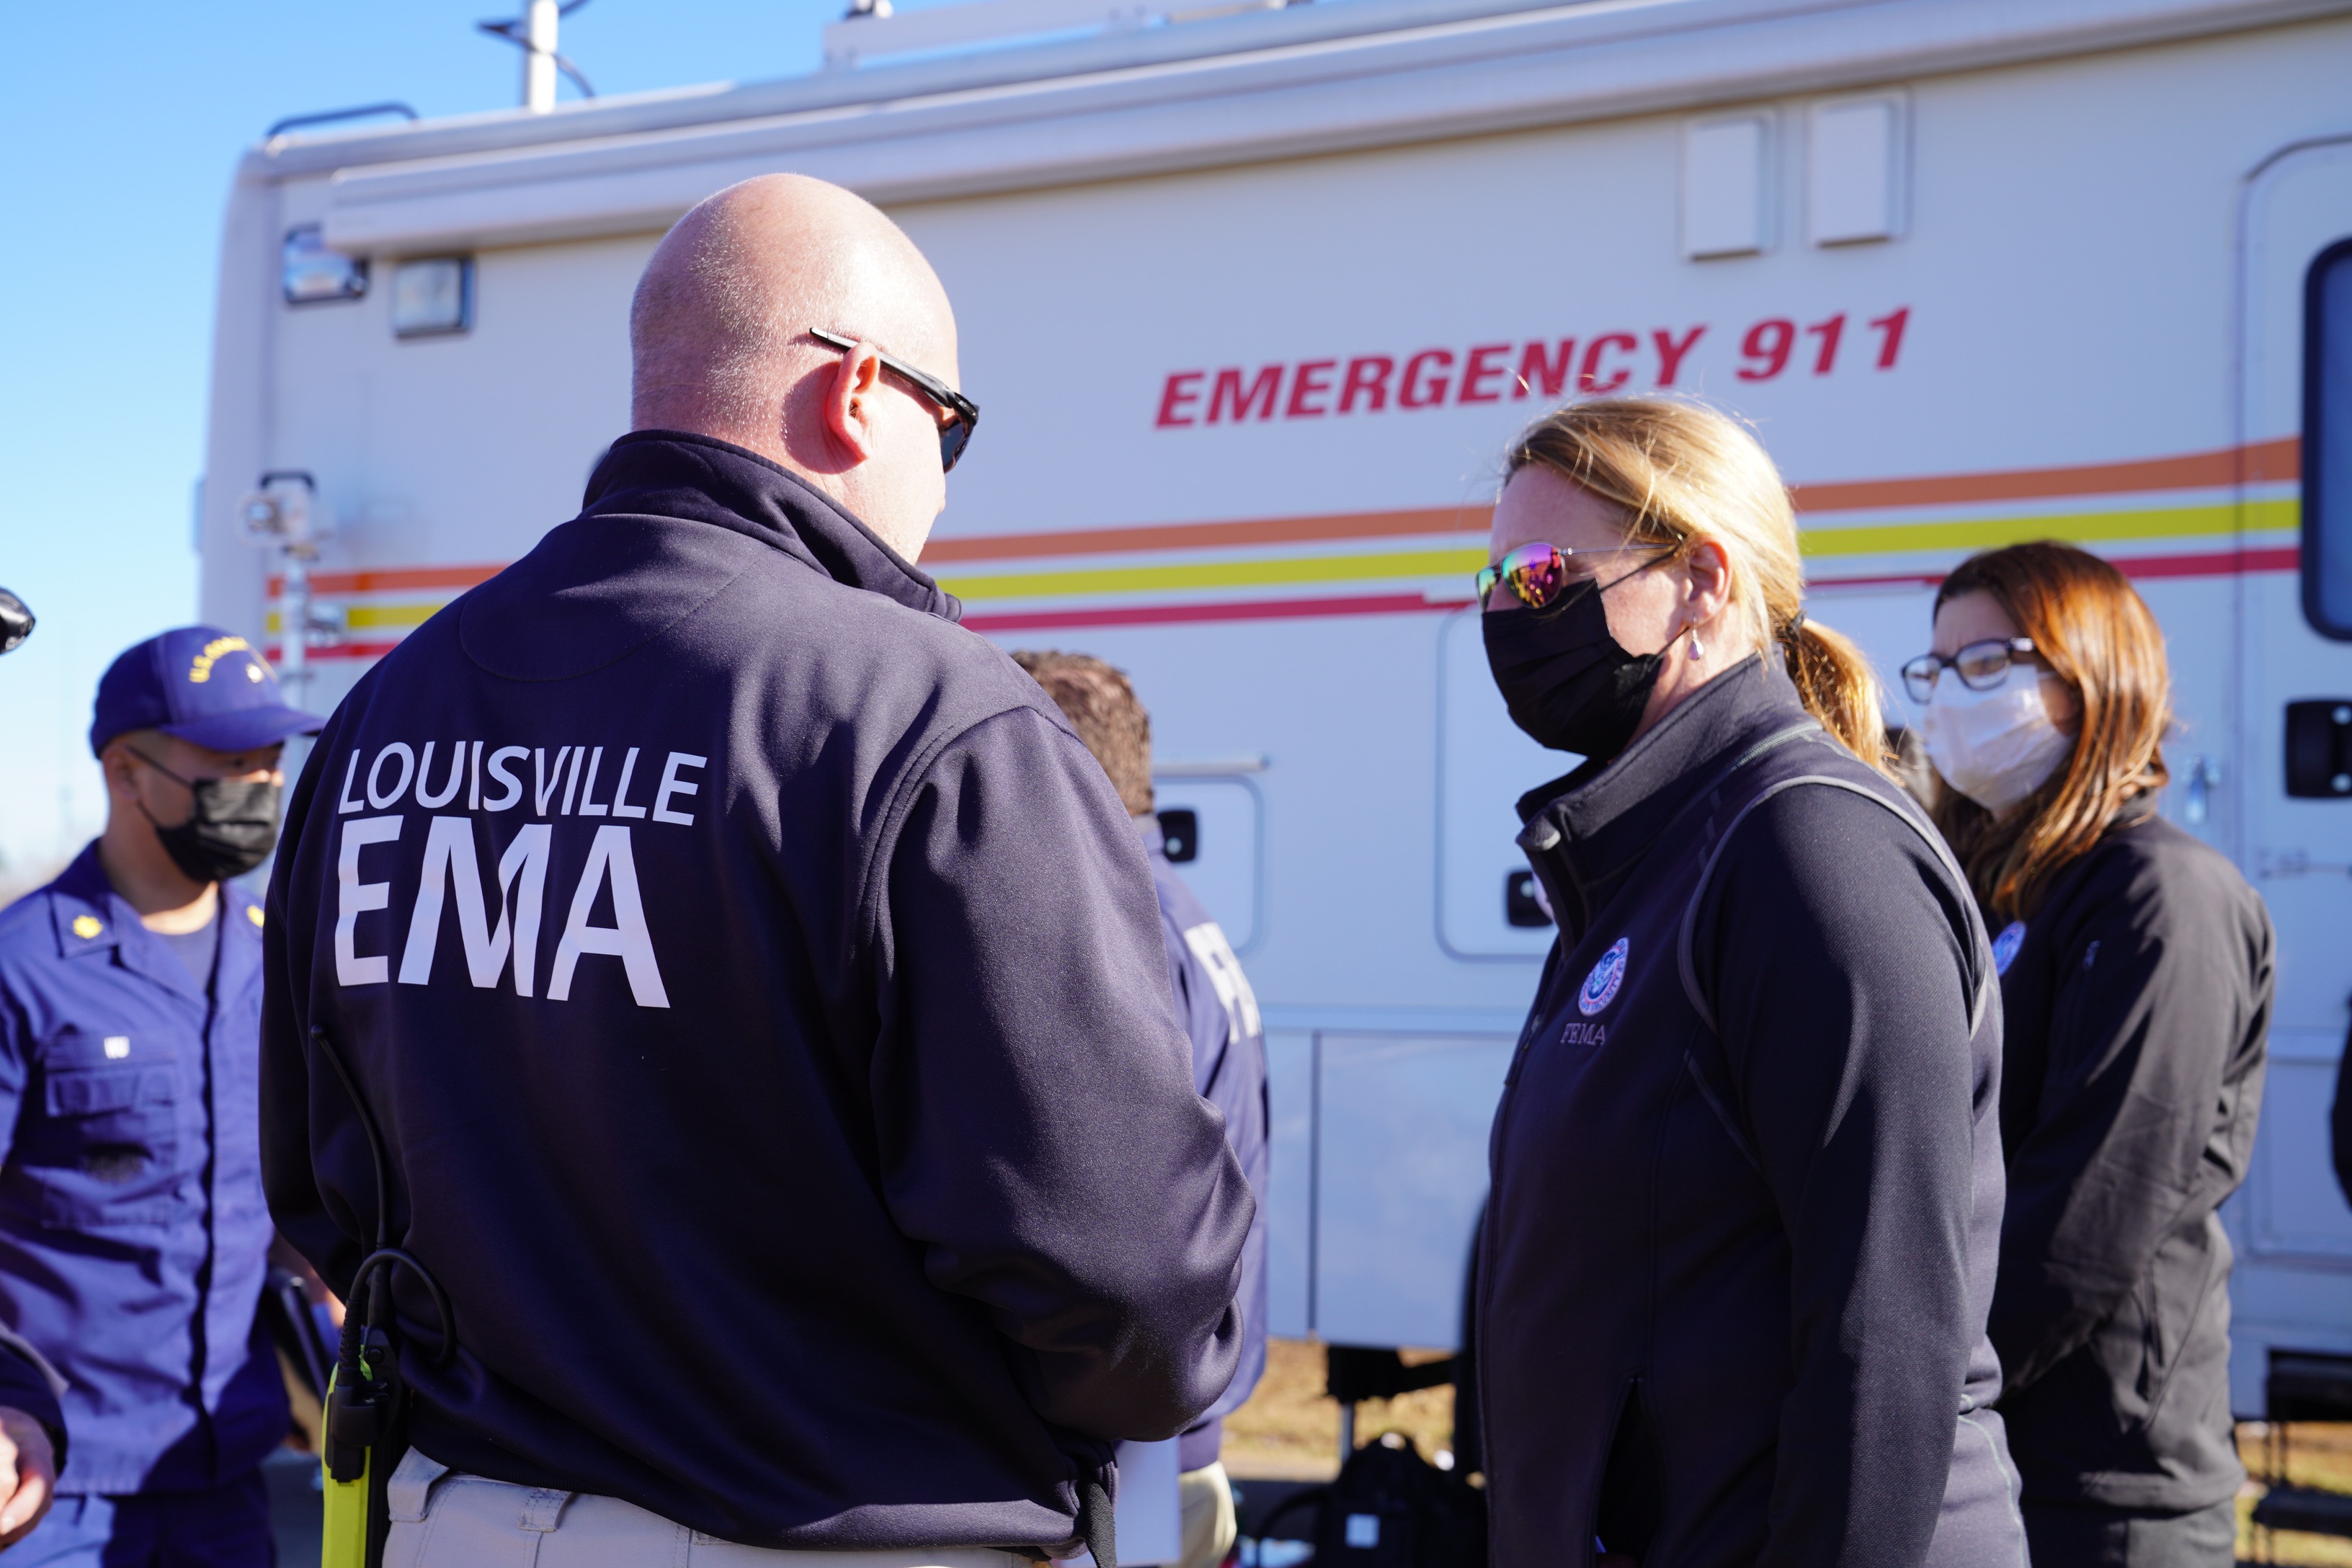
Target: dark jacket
[761,994]
[1746,1172]
[133,1236]
[1220,1013]
[2138,1000]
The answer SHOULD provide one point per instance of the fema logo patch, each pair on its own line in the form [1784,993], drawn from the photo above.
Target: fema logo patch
[1600,985]
[2005,946]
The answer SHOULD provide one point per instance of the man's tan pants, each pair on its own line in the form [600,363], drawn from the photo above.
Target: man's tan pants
[444,1519]
[1206,1497]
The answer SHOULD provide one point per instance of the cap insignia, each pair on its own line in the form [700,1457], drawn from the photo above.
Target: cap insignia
[200,669]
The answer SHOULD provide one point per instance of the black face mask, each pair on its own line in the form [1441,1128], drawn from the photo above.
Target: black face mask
[1566,680]
[232,830]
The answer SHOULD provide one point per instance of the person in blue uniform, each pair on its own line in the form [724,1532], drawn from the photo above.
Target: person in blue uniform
[756,985]
[2137,971]
[1220,1014]
[1732,1285]
[133,1233]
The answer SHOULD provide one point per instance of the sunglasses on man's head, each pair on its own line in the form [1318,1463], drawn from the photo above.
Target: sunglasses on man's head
[1538,575]
[964,414]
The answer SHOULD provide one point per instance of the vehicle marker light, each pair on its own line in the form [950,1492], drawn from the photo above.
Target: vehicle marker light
[310,274]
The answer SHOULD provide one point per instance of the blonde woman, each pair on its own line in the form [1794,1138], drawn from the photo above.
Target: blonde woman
[2135,977]
[1735,1272]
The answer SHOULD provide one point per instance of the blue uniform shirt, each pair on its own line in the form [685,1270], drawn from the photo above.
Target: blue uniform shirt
[133,1236]
[1221,1016]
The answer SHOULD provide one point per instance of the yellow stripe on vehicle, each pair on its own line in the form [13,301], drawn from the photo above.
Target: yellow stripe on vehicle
[360,617]
[1465,563]
[393,614]
[2081,528]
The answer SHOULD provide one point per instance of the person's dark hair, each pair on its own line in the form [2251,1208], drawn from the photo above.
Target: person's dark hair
[2094,632]
[1102,707]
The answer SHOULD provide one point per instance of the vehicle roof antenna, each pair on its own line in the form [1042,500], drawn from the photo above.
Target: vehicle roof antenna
[533,32]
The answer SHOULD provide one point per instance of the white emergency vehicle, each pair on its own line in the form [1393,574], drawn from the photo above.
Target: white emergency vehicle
[1252,301]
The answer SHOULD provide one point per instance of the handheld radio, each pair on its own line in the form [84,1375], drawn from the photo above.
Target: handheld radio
[367,1398]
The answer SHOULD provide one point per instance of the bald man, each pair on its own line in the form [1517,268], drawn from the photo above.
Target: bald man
[758,988]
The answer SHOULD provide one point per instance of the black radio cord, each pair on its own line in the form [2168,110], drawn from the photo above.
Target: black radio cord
[369,1303]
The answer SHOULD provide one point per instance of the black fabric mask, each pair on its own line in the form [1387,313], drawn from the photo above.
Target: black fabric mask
[232,830]
[1566,680]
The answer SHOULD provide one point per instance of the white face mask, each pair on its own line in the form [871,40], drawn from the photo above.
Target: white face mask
[1996,747]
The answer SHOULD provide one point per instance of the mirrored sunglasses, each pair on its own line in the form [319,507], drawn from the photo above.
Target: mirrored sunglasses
[1538,576]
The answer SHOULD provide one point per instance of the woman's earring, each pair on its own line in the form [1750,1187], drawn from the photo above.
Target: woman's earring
[1697,652]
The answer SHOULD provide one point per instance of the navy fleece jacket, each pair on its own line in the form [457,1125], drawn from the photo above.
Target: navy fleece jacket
[762,994]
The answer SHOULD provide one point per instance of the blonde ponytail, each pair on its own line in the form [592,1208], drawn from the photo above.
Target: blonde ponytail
[1683,472]
[1838,688]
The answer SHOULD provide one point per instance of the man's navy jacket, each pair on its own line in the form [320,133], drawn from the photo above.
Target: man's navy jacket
[133,1236]
[761,994]
[1221,1015]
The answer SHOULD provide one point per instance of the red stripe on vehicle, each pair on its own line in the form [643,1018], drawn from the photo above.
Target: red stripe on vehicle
[1177,615]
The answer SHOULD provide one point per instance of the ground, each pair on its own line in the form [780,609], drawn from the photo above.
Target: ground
[2318,1454]
[1290,1431]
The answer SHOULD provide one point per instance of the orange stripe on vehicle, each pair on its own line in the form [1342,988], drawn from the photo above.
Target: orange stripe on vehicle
[391,579]
[2264,462]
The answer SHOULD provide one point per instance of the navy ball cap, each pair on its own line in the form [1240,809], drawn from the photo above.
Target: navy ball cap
[201,684]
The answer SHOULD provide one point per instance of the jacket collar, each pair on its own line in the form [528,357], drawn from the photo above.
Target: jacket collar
[676,473]
[89,917]
[1586,832]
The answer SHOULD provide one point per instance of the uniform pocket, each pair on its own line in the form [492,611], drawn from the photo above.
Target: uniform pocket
[104,1148]
[1630,1503]
[111,1090]
[2187,1270]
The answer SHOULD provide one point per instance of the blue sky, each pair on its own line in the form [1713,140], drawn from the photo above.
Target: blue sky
[119,128]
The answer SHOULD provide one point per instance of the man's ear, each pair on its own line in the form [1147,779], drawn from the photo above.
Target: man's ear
[849,401]
[120,769]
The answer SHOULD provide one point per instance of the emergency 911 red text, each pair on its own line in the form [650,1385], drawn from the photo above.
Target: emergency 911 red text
[1546,368]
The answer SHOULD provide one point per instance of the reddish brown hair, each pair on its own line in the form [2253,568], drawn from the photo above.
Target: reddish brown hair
[2094,632]
[1101,706]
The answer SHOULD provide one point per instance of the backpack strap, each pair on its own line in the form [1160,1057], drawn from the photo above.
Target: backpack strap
[1981,982]
[1978,953]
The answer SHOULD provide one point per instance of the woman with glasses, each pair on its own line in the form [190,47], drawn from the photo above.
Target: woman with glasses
[1732,1283]
[2136,982]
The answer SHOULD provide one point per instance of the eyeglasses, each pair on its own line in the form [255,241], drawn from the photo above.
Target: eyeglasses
[1982,666]
[1538,574]
[956,434]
